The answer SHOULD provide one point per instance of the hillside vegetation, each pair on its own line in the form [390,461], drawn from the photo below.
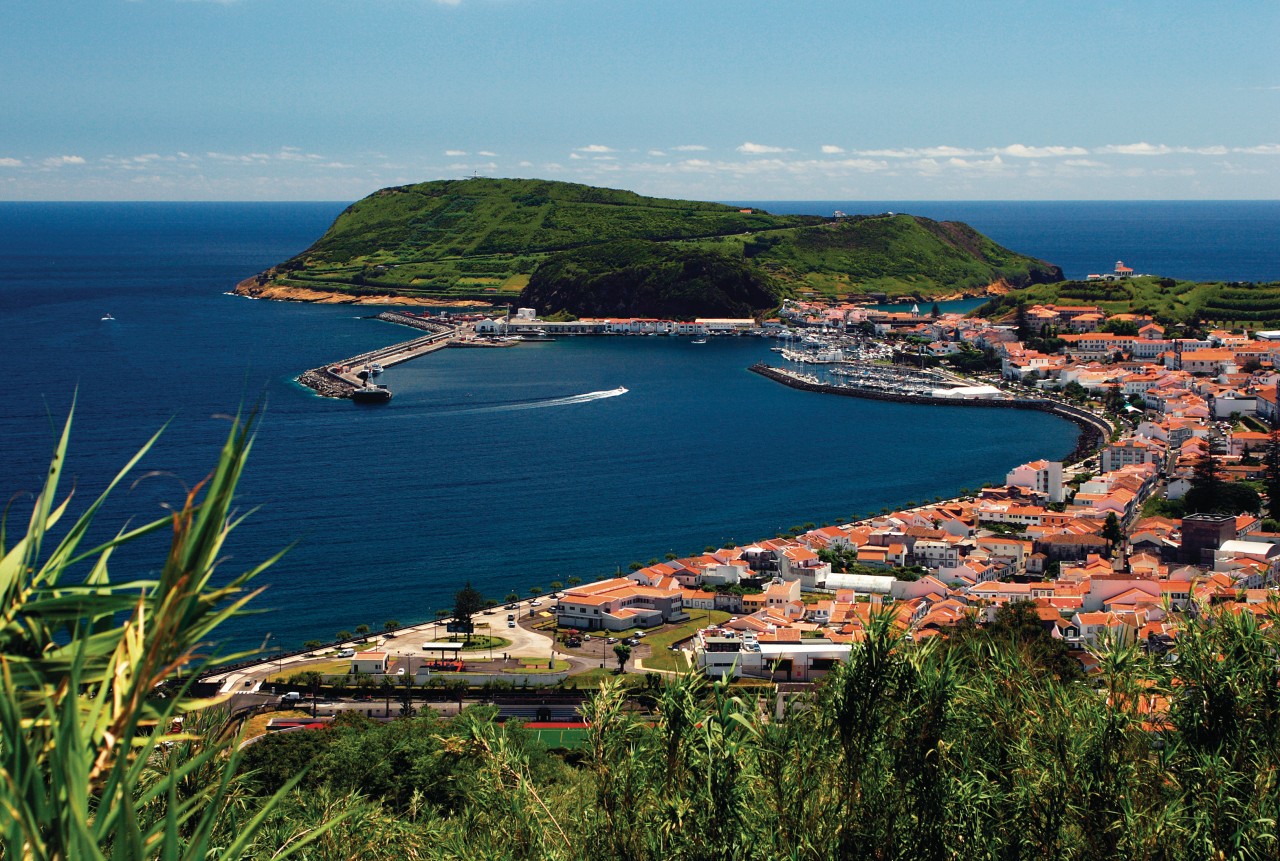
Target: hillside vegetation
[1170,301]
[486,239]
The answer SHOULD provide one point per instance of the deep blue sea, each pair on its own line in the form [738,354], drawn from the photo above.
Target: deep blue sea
[487,466]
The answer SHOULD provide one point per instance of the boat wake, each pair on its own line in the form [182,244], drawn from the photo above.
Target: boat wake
[586,397]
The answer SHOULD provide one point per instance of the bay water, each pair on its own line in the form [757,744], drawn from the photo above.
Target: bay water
[510,468]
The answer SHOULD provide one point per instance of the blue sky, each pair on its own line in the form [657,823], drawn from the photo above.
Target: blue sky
[755,99]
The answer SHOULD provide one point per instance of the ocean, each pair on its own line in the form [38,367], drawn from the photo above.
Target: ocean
[509,468]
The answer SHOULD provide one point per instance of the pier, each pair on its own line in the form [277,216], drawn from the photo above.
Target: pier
[339,379]
[1095,431]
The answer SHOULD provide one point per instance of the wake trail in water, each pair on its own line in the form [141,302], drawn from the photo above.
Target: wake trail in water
[584,398]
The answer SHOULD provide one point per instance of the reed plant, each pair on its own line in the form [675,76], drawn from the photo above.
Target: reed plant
[104,752]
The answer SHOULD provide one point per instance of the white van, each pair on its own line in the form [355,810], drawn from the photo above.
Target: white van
[347,653]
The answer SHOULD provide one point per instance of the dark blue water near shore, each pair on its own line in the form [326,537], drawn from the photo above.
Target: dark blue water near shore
[488,465]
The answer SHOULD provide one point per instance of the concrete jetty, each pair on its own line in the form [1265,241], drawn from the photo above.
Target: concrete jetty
[339,379]
[1095,430]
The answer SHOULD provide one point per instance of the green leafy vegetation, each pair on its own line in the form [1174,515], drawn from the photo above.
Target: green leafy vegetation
[1171,302]
[990,745]
[489,239]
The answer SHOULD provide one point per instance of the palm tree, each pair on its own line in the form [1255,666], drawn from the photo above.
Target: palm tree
[573,581]
[623,653]
[362,631]
[390,625]
[513,597]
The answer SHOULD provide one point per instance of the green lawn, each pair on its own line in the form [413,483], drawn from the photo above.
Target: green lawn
[567,738]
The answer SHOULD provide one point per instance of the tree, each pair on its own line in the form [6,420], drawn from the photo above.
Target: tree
[1111,531]
[1113,401]
[405,695]
[623,653]
[467,601]
[935,311]
[391,624]
[1271,469]
[362,630]
[573,581]
[1206,483]
[388,688]
[535,591]
[512,597]
[556,585]
[344,635]
[1023,322]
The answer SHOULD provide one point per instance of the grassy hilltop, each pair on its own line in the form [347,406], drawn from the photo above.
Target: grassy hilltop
[561,246]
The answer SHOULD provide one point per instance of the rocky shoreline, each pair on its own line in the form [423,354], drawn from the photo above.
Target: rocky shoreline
[254,288]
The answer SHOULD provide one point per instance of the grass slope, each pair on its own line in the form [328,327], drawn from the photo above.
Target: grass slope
[487,238]
[1171,302]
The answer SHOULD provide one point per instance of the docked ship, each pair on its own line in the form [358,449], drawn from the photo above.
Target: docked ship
[371,394]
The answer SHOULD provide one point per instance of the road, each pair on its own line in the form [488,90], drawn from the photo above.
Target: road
[404,643]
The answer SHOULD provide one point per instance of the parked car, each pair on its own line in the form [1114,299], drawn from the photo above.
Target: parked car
[510,624]
[611,640]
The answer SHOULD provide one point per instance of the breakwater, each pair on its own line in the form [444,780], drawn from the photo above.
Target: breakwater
[1094,430]
[339,379]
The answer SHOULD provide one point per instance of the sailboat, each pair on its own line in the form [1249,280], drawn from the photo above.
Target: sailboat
[108,317]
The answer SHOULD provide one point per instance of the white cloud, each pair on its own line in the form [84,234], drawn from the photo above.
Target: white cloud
[932,152]
[1082,162]
[657,153]
[486,153]
[575,156]
[1024,151]
[596,148]
[1261,149]
[454,153]
[1141,148]
[62,160]
[831,149]
[993,163]
[689,148]
[10,162]
[525,164]
[760,149]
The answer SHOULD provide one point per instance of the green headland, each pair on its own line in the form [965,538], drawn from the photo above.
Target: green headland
[563,247]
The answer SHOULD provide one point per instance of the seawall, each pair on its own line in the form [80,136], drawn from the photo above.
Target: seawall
[1094,431]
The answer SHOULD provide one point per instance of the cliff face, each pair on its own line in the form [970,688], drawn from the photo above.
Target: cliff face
[648,280]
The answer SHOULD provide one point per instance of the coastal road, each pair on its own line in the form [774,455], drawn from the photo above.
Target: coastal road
[405,642]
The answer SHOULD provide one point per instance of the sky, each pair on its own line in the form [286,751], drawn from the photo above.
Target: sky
[704,99]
